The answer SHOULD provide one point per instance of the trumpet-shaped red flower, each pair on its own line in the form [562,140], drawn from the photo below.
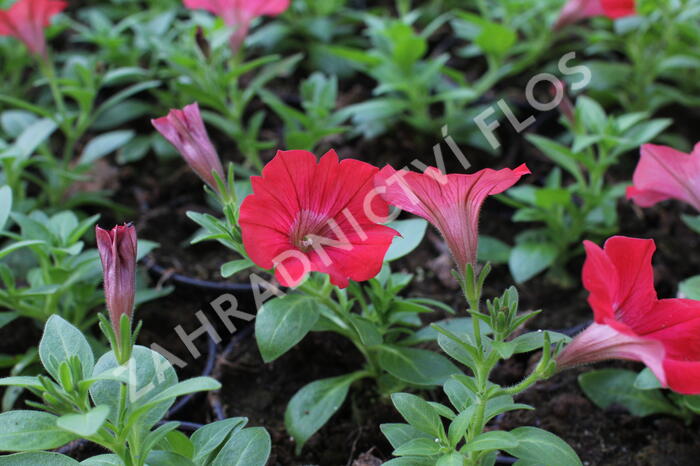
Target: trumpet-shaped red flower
[185,130]
[26,20]
[320,216]
[665,173]
[117,249]
[631,322]
[239,13]
[450,202]
[576,10]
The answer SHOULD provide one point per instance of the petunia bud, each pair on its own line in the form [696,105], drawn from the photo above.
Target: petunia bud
[117,249]
[185,130]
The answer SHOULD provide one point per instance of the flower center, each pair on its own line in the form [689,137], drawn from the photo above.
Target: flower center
[306,229]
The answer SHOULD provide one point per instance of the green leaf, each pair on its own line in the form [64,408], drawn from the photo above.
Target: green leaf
[86,424]
[591,114]
[367,330]
[167,458]
[104,144]
[233,267]
[315,403]
[410,461]
[534,340]
[559,154]
[19,245]
[282,323]
[32,137]
[398,433]
[492,250]
[177,442]
[458,427]
[690,288]
[5,205]
[692,402]
[103,460]
[60,342]
[148,373]
[412,232]
[616,386]
[534,445]
[453,459]
[458,325]
[6,317]
[495,440]
[247,447]
[692,221]
[21,381]
[529,259]
[418,447]
[208,439]
[194,385]
[22,430]
[38,458]
[15,121]
[416,366]
[419,414]
[646,380]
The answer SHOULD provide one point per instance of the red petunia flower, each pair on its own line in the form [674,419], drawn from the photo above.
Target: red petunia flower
[239,13]
[450,202]
[320,216]
[631,322]
[117,249]
[185,130]
[576,10]
[665,173]
[26,20]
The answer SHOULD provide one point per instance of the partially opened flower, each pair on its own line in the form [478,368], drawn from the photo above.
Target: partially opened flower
[576,10]
[630,322]
[450,202]
[320,216]
[26,20]
[665,173]
[185,130]
[117,249]
[239,13]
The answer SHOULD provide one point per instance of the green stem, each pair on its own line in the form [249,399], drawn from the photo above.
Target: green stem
[342,315]
[526,383]
[46,65]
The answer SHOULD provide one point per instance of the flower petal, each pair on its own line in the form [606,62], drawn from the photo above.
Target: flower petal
[665,173]
[601,342]
[683,376]
[450,202]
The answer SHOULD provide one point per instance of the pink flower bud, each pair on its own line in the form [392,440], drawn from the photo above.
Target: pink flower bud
[185,130]
[117,249]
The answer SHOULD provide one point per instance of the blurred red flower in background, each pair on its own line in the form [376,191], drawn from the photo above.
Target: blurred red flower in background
[26,20]
[576,10]
[239,13]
